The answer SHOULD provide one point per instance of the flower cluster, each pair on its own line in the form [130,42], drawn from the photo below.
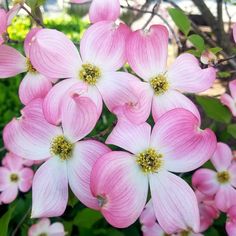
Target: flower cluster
[63,93]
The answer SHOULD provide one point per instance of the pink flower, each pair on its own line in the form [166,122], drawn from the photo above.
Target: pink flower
[221,182]
[14,177]
[102,10]
[234,32]
[230,101]
[43,227]
[10,156]
[120,179]
[103,52]
[70,160]
[6,18]
[34,85]
[231,221]
[147,56]
[208,211]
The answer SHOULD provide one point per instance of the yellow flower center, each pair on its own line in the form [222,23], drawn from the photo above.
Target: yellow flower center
[89,74]
[149,161]
[159,84]
[184,233]
[14,178]
[223,177]
[30,67]
[61,147]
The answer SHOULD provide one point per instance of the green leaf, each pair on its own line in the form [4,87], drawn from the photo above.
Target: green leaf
[196,53]
[231,129]
[197,41]
[180,19]
[211,232]
[215,50]
[214,109]
[5,220]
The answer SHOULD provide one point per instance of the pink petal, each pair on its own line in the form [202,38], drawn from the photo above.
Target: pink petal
[13,162]
[3,24]
[205,181]
[186,75]
[147,51]
[131,137]
[234,32]
[104,10]
[33,86]
[232,88]
[12,13]
[231,226]
[11,62]
[232,172]
[42,226]
[232,213]
[222,157]
[50,189]
[121,188]
[148,217]
[225,198]
[26,177]
[28,38]
[54,55]
[57,229]
[80,167]
[1,40]
[53,101]
[4,178]
[178,138]
[154,230]
[170,100]
[176,209]
[79,117]
[123,92]
[105,40]
[9,194]
[30,136]
[228,101]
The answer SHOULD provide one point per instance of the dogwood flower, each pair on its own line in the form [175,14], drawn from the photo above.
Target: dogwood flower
[120,179]
[231,221]
[221,182]
[70,160]
[14,177]
[43,227]
[147,56]
[34,85]
[5,21]
[230,101]
[102,10]
[102,49]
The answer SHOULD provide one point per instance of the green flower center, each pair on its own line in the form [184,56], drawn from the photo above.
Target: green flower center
[185,233]
[159,84]
[30,67]
[89,74]
[43,234]
[61,147]
[14,178]
[223,177]
[149,161]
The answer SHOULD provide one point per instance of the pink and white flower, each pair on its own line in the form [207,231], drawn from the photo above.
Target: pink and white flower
[231,221]
[230,100]
[120,179]
[147,55]
[102,10]
[70,158]
[5,21]
[34,85]
[10,156]
[220,183]
[43,227]
[102,49]
[14,177]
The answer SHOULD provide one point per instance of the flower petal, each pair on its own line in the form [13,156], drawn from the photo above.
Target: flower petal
[54,55]
[57,229]
[33,86]
[147,51]
[231,226]
[222,157]
[154,230]
[225,198]
[12,13]
[170,100]
[232,172]
[3,24]
[186,75]
[148,217]
[176,209]
[121,188]
[232,88]
[131,137]
[178,138]
[50,189]
[30,136]
[9,194]
[104,10]
[79,169]
[28,39]
[26,177]
[234,32]
[11,62]
[205,180]
[4,178]
[228,101]
[79,116]
[105,40]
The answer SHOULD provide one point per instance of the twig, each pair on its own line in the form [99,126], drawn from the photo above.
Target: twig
[224,60]
[104,132]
